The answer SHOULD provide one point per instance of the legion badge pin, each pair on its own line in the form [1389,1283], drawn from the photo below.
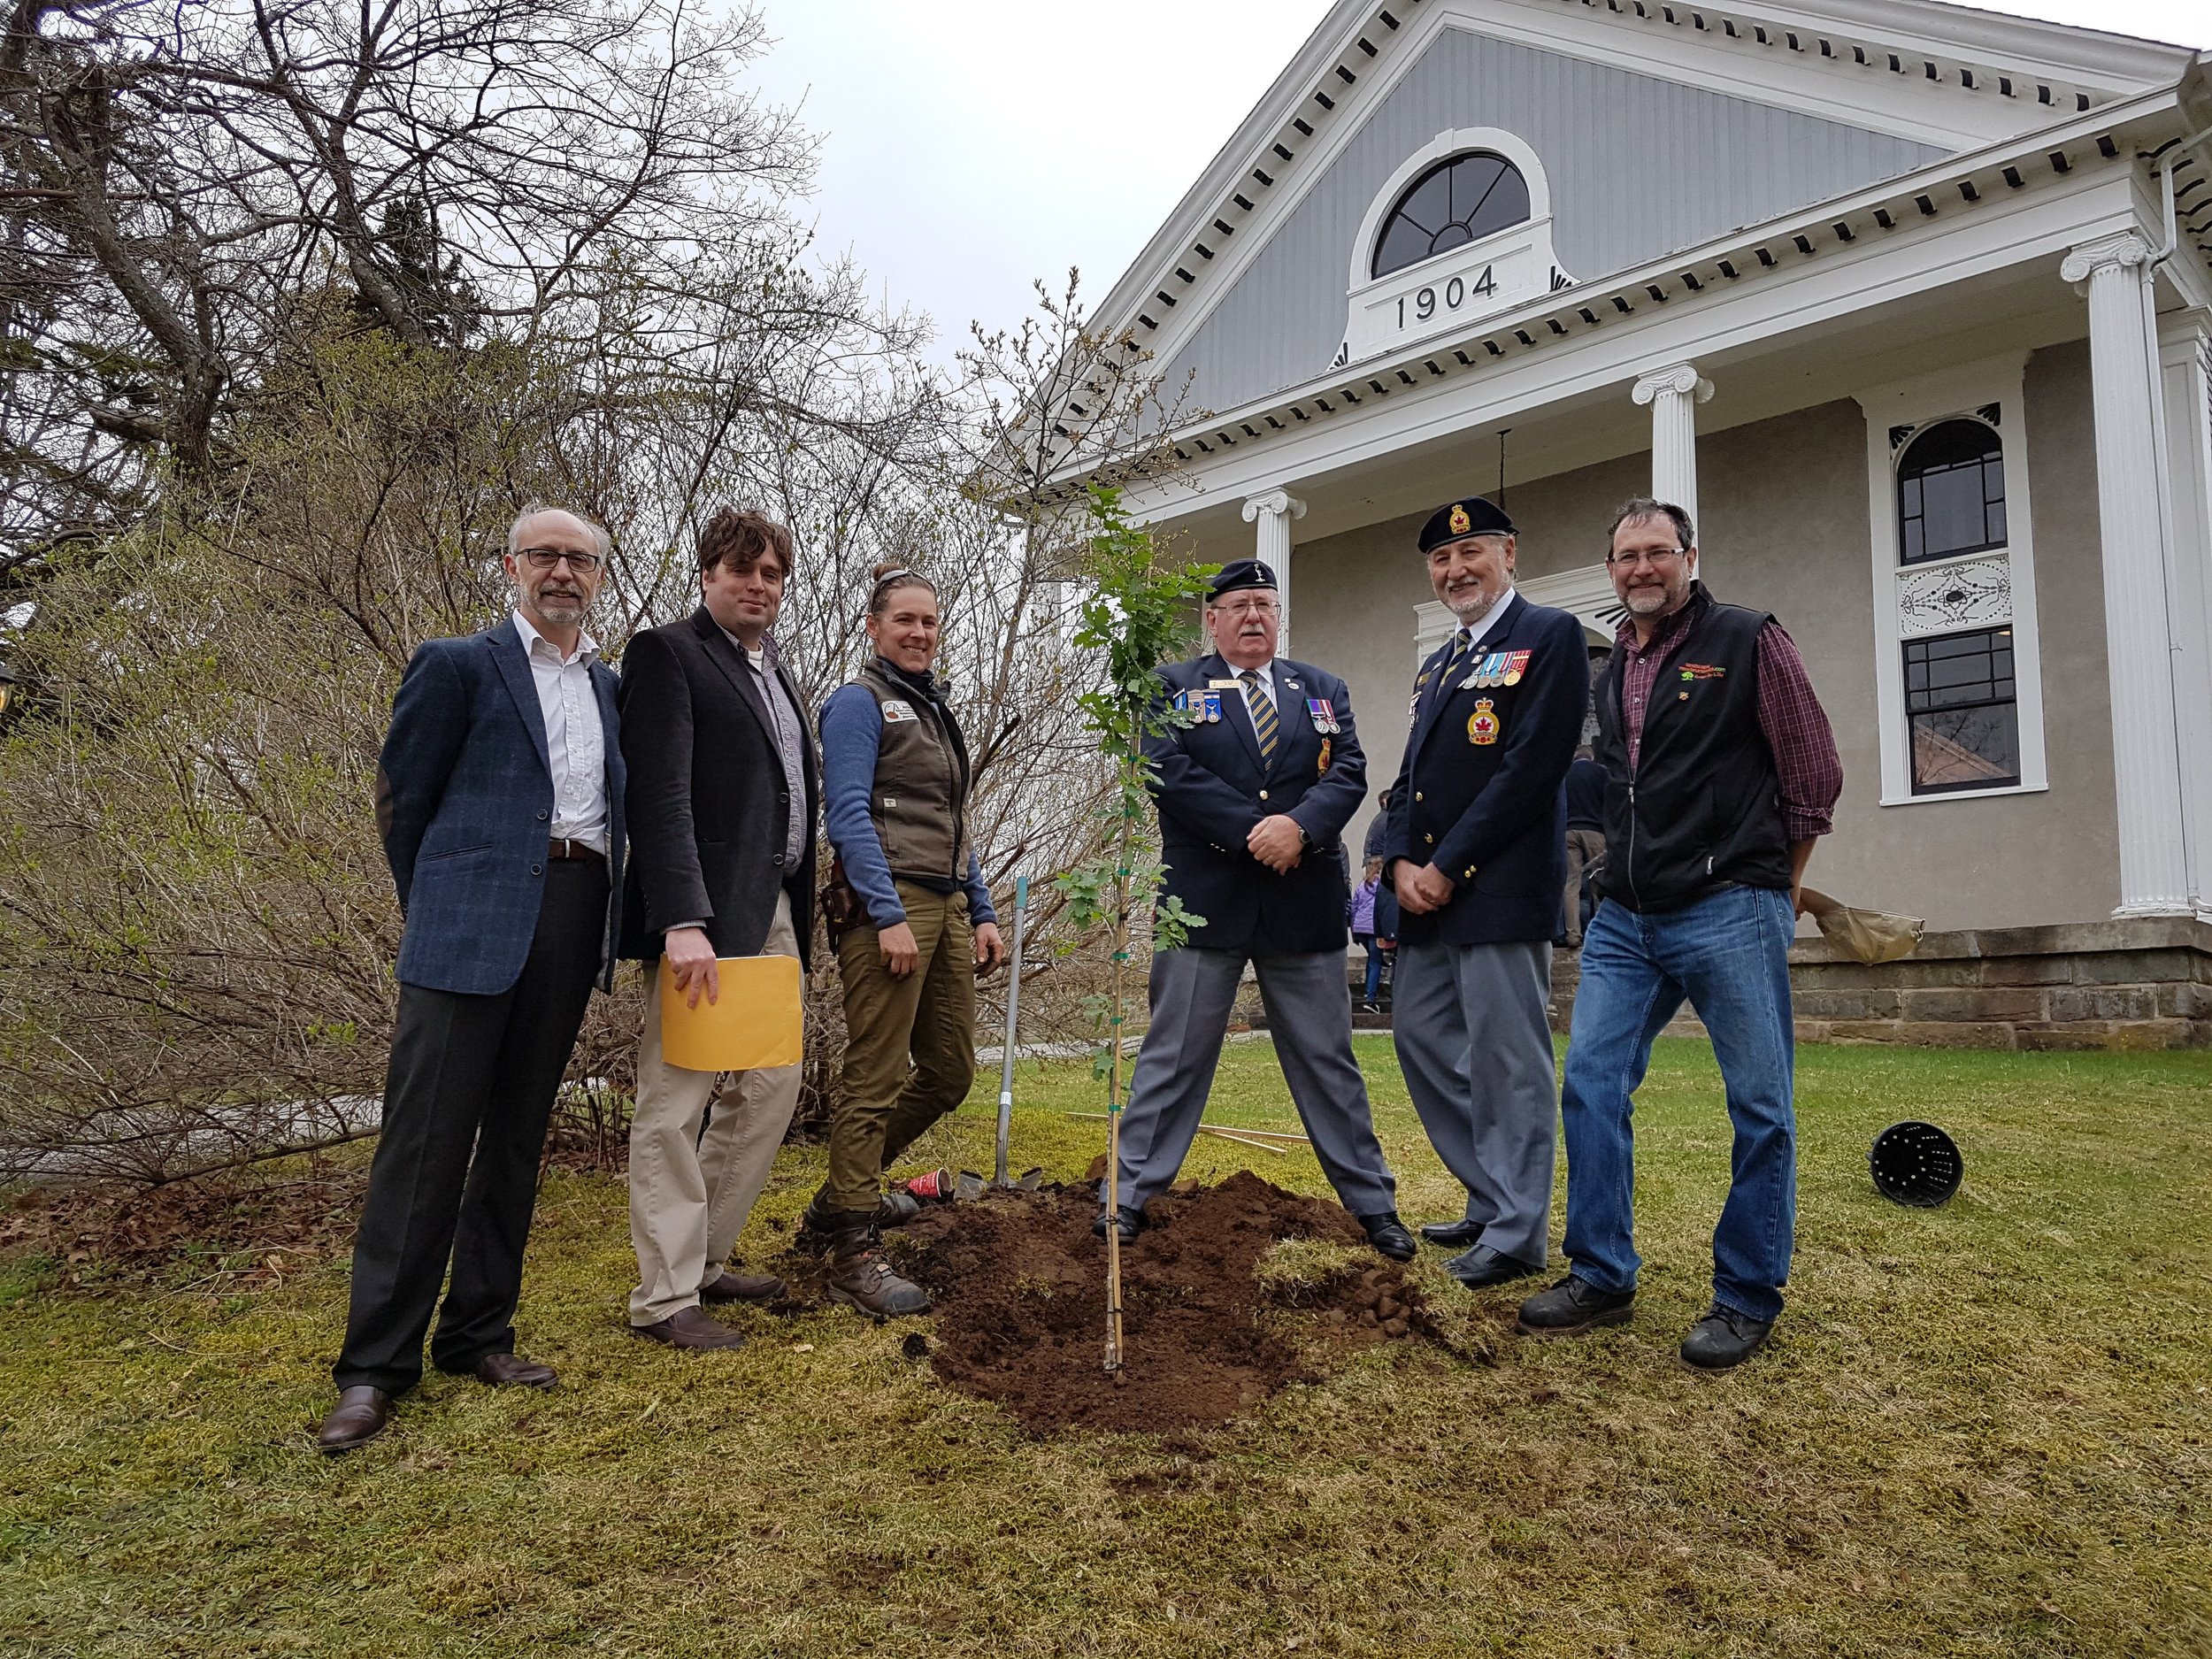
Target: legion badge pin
[1482,725]
[1460,522]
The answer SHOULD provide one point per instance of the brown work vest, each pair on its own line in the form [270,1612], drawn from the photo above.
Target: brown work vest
[919,803]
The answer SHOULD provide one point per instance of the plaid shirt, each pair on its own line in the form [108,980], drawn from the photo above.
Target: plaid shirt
[1790,718]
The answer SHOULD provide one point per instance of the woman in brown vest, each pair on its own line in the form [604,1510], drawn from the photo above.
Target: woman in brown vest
[895,778]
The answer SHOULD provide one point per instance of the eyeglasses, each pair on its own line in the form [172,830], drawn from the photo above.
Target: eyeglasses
[1250,608]
[1652,556]
[544,558]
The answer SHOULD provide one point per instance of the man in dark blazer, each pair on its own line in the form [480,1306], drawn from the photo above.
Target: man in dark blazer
[1476,854]
[499,799]
[1253,795]
[724,791]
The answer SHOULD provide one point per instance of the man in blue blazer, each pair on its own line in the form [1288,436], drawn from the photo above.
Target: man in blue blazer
[1476,854]
[499,799]
[1254,795]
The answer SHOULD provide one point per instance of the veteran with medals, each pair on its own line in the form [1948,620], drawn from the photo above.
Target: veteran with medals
[1253,791]
[1476,854]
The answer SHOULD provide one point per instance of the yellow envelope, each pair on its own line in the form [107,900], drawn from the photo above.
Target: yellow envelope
[755,1022]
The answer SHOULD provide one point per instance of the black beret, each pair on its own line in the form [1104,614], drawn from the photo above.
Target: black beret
[1471,517]
[1241,573]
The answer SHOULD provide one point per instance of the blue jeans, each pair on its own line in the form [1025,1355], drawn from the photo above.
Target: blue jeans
[1374,967]
[1729,955]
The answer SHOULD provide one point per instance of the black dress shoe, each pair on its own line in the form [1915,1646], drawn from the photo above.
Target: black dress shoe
[1389,1236]
[1132,1223]
[359,1416]
[1574,1306]
[1724,1338]
[1482,1267]
[512,1371]
[1453,1235]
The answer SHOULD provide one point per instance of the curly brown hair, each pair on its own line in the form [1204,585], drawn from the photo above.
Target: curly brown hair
[738,536]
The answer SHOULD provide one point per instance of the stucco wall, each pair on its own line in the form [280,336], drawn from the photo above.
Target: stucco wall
[1786,508]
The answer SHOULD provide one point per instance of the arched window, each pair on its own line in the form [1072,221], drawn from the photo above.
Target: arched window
[1950,492]
[1462,200]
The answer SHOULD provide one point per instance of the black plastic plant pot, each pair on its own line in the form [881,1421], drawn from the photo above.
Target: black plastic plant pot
[1915,1164]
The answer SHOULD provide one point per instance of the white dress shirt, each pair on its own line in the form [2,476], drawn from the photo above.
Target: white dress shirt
[575,741]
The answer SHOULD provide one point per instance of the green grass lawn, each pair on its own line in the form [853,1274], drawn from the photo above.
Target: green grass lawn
[1981,1430]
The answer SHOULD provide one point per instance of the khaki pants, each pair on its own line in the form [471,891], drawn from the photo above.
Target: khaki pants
[1584,848]
[690,1192]
[910,1044]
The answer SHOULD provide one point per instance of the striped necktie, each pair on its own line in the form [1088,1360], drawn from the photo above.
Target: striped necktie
[1262,709]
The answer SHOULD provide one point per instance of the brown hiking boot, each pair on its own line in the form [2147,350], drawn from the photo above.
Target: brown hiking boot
[860,1278]
[818,1222]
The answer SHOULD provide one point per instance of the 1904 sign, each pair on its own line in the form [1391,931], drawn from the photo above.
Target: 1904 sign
[1450,291]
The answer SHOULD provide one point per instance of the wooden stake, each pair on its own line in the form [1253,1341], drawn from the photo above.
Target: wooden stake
[1244,1141]
[1113,1106]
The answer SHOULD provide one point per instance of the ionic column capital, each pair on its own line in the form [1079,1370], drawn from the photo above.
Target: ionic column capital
[1681,379]
[1275,503]
[2124,249]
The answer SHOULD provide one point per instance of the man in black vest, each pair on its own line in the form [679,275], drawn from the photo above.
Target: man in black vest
[1721,773]
[1476,855]
[1254,795]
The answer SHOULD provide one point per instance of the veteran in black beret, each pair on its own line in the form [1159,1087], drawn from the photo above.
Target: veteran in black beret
[1254,793]
[1476,853]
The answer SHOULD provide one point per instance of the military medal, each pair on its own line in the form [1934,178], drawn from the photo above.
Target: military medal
[1482,725]
[1323,714]
[1209,707]
[1516,665]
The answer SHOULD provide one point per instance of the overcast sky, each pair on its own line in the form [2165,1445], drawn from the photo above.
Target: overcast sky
[971,145]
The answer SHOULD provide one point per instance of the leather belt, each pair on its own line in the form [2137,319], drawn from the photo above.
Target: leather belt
[580,852]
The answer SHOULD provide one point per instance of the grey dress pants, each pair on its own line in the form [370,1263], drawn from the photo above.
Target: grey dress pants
[1475,1045]
[1308,1004]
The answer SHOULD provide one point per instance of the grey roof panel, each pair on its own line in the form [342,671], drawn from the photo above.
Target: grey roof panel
[1638,166]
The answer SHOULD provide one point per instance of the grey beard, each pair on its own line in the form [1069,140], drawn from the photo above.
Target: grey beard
[1468,617]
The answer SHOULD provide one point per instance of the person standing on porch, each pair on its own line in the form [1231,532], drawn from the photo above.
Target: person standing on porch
[1254,794]
[1721,773]
[1475,854]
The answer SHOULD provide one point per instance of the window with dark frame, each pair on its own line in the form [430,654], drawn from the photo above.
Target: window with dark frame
[1462,200]
[1950,492]
[1962,711]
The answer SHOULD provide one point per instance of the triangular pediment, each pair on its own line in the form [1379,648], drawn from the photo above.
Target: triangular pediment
[1656,126]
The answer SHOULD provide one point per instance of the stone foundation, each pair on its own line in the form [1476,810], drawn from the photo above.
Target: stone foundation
[2141,982]
[2144,982]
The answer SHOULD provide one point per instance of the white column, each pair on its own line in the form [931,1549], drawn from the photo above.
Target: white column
[1272,513]
[2114,272]
[2185,357]
[1674,394]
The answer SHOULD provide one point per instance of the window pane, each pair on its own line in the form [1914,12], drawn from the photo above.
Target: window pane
[1951,492]
[1455,202]
[1965,749]
[1961,711]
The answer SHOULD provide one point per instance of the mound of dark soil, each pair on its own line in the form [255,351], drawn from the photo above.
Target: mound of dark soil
[1019,1287]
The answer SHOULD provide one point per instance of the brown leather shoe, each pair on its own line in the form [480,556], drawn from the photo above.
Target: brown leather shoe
[743,1287]
[503,1371]
[690,1328]
[358,1417]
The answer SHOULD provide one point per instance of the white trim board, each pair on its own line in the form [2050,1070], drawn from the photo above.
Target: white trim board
[1914,403]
